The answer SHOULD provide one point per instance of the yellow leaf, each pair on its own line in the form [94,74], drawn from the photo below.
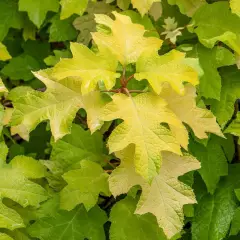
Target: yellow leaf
[4,54]
[166,196]
[89,67]
[3,89]
[143,6]
[235,6]
[142,117]
[171,67]
[126,40]
[201,120]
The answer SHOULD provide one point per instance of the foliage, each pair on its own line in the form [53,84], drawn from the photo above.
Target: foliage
[119,119]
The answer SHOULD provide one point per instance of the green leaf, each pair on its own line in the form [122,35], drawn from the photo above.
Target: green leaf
[20,67]
[68,152]
[234,126]
[9,17]
[166,196]
[73,6]
[38,9]
[218,28]
[172,67]
[214,213]
[76,224]
[210,61]
[126,225]
[4,54]
[235,6]
[213,162]
[29,167]
[58,104]
[147,133]
[224,108]
[62,30]
[84,186]
[235,225]
[9,218]
[58,54]
[4,236]
[188,7]
[123,4]
[90,67]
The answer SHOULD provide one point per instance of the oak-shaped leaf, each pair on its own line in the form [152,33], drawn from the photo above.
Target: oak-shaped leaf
[125,224]
[68,152]
[142,117]
[84,186]
[89,67]
[172,67]
[218,28]
[166,195]
[59,104]
[126,39]
[76,224]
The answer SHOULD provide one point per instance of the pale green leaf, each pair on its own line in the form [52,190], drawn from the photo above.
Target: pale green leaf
[58,104]
[172,67]
[126,40]
[188,7]
[29,167]
[76,224]
[4,54]
[235,6]
[142,117]
[218,28]
[84,186]
[166,196]
[68,152]
[126,225]
[4,236]
[9,218]
[2,87]
[38,9]
[70,7]
[90,67]
[143,6]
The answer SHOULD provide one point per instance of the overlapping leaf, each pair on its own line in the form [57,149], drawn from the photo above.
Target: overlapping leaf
[166,195]
[142,117]
[58,104]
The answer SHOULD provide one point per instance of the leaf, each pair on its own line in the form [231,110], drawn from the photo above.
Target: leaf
[224,108]
[87,24]
[212,29]
[126,40]
[76,224]
[235,225]
[4,236]
[214,213]
[172,67]
[90,67]
[4,54]
[3,89]
[9,17]
[29,167]
[200,120]
[126,225]
[62,30]
[235,6]
[142,117]
[166,195]
[9,218]
[84,186]
[143,6]
[213,162]
[123,4]
[233,127]
[58,54]
[58,104]
[188,7]
[210,61]
[38,9]
[20,67]
[73,6]
[68,152]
